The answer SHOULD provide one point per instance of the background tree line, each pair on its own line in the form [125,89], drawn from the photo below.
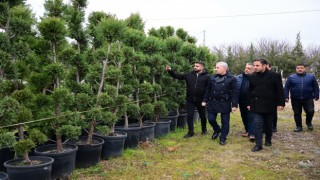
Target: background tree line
[282,55]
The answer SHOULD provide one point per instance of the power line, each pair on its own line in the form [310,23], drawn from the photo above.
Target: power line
[239,15]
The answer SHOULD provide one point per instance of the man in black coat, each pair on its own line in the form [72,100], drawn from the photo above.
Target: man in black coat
[196,82]
[265,96]
[275,116]
[221,97]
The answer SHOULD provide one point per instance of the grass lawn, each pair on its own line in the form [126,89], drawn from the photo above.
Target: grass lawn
[291,156]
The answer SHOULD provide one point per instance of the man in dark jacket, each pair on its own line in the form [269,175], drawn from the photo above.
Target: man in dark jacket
[221,97]
[196,83]
[303,88]
[242,88]
[265,97]
[275,116]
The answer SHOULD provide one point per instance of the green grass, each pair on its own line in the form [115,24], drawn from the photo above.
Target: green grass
[199,157]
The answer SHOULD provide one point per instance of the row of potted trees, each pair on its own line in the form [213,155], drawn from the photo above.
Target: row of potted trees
[84,151]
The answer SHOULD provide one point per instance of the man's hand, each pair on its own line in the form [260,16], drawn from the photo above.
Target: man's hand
[234,109]
[168,68]
[248,107]
[287,99]
[203,104]
[280,108]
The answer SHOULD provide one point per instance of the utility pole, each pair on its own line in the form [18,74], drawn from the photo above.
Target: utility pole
[204,38]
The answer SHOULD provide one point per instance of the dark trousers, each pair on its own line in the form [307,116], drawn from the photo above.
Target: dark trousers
[275,120]
[190,113]
[308,107]
[246,117]
[225,123]
[262,121]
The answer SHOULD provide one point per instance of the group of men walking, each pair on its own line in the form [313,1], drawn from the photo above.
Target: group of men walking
[258,92]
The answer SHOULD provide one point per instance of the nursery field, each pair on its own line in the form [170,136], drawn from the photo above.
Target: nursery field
[292,156]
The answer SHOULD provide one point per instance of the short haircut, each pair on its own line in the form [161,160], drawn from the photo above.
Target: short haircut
[262,61]
[249,63]
[300,64]
[223,64]
[200,62]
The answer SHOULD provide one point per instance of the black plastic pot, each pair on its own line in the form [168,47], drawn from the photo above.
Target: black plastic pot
[5,155]
[162,127]
[182,121]
[147,132]
[113,145]
[16,171]
[4,176]
[173,123]
[88,155]
[133,135]
[64,162]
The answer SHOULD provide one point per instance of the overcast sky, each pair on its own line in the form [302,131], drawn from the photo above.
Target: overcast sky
[220,22]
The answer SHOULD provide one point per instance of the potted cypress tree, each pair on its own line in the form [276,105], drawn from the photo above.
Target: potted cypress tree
[106,104]
[89,147]
[16,114]
[114,140]
[136,87]
[62,126]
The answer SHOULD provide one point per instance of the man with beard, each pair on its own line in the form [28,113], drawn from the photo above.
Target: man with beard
[242,87]
[303,88]
[196,82]
[265,96]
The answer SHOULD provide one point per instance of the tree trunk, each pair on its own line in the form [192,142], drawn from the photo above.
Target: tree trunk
[137,97]
[54,55]
[59,142]
[126,120]
[1,73]
[20,132]
[104,67]
[78,76]
[154,93]
[118,81]
[112,128]
[91,130]
[58,136]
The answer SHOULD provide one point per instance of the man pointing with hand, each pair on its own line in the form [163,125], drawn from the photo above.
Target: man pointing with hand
[196,82]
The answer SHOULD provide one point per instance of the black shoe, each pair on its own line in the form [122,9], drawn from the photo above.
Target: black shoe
[256,148]
[204,132]
[222,142]
[310,127]
[215,135]
[189,135]
[274,130]
[297,129]
[268,143]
